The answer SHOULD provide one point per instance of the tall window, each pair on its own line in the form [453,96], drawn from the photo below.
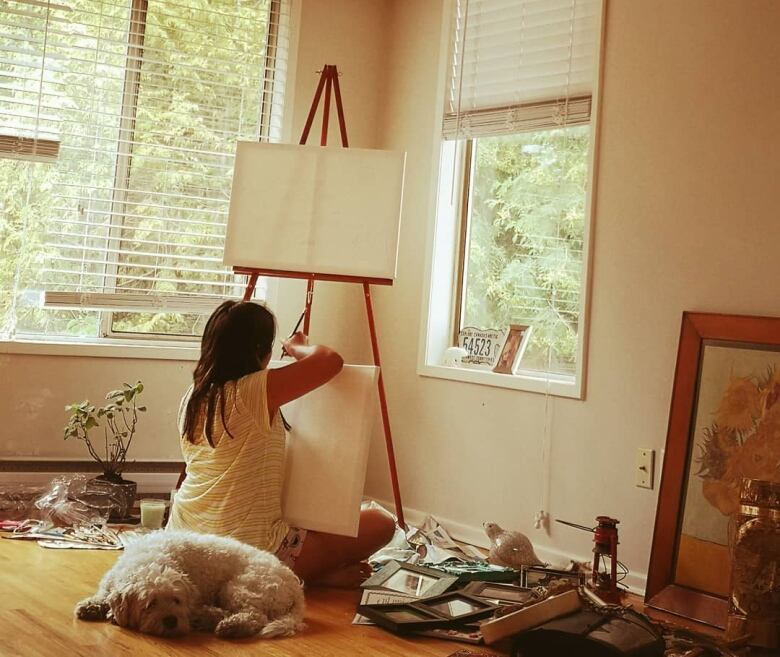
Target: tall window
[518,107]
[522,250]
[118,123]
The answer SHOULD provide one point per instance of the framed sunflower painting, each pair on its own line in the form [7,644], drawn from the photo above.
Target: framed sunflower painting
[724,424]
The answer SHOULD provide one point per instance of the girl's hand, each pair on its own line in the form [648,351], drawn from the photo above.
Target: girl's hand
[296,345]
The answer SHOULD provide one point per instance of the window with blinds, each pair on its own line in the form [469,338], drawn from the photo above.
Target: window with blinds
[518,99]
[118,123]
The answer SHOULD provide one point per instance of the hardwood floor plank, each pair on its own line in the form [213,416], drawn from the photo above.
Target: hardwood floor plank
[40,588]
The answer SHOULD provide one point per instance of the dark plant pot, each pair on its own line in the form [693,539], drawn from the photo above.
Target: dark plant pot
[118,495]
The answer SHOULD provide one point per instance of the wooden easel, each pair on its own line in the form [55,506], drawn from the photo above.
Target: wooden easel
[329,82]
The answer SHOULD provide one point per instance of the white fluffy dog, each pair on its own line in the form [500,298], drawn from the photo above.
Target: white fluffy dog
[167,583]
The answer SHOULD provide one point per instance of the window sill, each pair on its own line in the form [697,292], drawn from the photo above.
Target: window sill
[102,349]
[558,386]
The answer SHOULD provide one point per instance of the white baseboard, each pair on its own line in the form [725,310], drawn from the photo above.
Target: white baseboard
[148,482]
[635,582]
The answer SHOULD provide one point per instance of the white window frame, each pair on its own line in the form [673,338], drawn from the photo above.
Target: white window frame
[113,343]
[123,163]
[443,268]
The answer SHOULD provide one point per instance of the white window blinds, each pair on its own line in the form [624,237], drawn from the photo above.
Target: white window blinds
[27,130]
[146,100]
[520,65]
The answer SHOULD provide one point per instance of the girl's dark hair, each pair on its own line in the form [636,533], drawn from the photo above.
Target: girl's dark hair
[237,338]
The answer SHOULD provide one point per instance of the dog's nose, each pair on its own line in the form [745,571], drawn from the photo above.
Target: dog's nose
[169,622]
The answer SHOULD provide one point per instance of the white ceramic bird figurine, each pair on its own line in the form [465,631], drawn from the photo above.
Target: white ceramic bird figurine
[511,549]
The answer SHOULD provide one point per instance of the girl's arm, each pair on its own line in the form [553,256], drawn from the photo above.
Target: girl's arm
[314,366]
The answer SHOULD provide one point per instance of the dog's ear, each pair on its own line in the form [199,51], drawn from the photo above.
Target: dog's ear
[121,601]
[185,589]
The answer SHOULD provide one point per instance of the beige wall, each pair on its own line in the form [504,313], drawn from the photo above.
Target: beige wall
[350,34]
[35,389]
[686,220]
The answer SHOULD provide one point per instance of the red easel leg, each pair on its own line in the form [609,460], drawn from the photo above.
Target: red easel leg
[339,108]
[314,103]
[326,107]
[399,511]
[250,287]
[309,300]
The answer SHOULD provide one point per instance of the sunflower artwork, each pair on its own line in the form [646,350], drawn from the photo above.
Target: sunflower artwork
[736,434]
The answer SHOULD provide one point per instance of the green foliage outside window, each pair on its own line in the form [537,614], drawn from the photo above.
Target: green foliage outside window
[525,251]
[199,89]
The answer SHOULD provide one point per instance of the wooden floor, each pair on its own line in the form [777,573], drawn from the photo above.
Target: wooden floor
[39,588]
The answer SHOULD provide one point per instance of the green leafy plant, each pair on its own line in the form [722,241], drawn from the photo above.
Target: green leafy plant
[118,420]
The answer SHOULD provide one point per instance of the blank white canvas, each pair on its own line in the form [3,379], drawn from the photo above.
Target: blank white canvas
[327,452]
[314,209]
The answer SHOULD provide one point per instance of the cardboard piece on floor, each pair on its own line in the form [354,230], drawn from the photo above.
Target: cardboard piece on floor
[327,452]
[536,614]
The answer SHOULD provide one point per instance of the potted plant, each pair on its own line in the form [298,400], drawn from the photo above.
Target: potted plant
[118,419]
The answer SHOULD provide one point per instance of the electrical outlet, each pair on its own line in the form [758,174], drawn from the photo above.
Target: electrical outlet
[645,464]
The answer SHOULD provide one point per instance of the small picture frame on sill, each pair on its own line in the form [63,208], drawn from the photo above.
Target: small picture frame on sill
[410,580]
[513,349]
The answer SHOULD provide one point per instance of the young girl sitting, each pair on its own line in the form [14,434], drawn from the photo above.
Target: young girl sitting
[232,440]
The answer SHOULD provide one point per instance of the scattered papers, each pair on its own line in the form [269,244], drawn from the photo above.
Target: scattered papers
[434,555]
[133,535]
[89,537]
[73,545]
[9,525]
[437,534]
[473,552]
[429,544]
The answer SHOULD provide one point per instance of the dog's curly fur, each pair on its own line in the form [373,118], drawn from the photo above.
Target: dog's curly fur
[168,583]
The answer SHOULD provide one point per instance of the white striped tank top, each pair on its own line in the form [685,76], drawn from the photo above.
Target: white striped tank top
[235,488]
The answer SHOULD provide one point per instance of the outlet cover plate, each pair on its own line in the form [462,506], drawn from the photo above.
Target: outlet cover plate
[645,465]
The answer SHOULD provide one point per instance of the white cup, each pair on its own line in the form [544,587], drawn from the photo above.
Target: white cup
[152,512]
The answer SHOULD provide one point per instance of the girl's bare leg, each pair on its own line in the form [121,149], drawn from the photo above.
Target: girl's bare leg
[328,559]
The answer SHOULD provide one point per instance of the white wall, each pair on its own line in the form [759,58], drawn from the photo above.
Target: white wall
[686,219]
[34,390]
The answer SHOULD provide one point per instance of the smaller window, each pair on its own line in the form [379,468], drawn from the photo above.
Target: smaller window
[522,240]
[510,244]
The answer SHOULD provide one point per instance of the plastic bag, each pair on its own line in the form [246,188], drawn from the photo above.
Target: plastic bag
[73,501]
